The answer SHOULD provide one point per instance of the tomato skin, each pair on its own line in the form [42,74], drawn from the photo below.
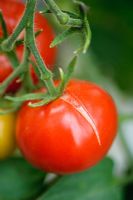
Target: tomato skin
[12,11]
[58,138]
[7,135]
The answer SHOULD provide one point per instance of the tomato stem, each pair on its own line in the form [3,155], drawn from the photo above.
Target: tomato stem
[75,22]
[8,44]
[10,55]
[21,41]
[61,16]
[45,75]
[3,25]
[27,22]
[20,69]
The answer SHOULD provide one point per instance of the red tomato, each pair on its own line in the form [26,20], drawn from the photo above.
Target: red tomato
[71,133]
[12,11]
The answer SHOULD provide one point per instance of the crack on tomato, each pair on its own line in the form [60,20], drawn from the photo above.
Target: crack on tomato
[78,105]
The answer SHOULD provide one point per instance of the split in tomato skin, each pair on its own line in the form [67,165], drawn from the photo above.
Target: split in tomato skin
[12,11]
[70,134]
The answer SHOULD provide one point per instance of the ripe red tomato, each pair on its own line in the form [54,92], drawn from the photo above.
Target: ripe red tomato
[12,11]
[71,133]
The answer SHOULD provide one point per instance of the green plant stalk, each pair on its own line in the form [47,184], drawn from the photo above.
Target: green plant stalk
[87,34]
[27,22]
[3,24]
[61,16]
[35,68]
[21,41]
[12,58]
[8,44]
[10,55]
[45,75]
[28,82]
[20,69]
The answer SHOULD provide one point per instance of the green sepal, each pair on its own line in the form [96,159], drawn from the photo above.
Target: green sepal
[26,97]
[88,35]
[3,25]
[43,102]
[62,75]
[63,36]
[68,74]
[86,31]
[83,8]
[71,14]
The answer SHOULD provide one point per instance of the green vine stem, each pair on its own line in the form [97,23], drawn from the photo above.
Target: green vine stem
[45,75]
[8,44]
[10,55]
[27,24]
[20,69]
[3,25]
[61,16]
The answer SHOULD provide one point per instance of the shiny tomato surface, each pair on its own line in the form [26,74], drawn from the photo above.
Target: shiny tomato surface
[12,11]
[70,134]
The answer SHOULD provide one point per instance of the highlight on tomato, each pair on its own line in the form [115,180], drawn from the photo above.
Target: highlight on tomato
[12,11]
[7,135]
[70,134]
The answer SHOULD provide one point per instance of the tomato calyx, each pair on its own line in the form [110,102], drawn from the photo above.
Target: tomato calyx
[44,97]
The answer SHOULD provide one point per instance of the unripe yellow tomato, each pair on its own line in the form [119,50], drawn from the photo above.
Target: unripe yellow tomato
[7,135]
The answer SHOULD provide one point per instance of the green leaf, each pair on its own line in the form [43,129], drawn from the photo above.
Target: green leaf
[97,183]
[19,180]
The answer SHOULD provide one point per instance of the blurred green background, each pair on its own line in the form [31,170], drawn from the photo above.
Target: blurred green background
[112,39]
